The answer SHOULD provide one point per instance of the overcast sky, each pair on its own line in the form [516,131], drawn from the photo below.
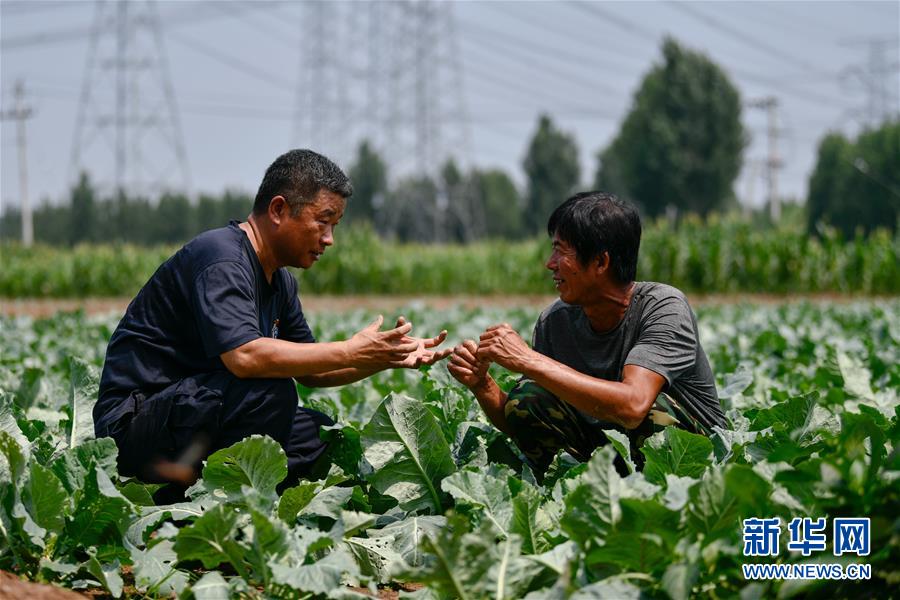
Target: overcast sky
[238,77]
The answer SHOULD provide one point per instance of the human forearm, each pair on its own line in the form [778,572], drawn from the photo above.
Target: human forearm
[369,349]
[625,402]
[337,377]
[473,374]
[492,400]
[267,357]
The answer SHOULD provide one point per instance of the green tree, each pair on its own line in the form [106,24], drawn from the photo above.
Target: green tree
[83,216]
[828,184]
[234,205]
[682,141]
[209,213]
[502,205]
[174,219]
[11,225]
[857,185]
[216,211]
[551,165]
[876,185]
[409,210]
[463,217]
[369,177]
[141,221]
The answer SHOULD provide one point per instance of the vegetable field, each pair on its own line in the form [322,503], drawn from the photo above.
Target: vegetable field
[425,498]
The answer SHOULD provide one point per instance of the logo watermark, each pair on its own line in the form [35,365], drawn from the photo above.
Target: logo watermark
[806,536]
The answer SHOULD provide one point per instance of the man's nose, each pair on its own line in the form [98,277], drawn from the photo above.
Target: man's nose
[551,262]
[328,237]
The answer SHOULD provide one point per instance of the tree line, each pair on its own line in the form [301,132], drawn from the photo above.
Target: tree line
[678,151]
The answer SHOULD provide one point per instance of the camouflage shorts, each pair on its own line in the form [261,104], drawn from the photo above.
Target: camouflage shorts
[542,425]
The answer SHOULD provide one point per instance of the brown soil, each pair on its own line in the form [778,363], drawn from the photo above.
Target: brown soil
[390,592]
[44,307]
[13,588]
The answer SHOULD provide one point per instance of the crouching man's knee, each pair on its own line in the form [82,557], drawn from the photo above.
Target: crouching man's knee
[529,402]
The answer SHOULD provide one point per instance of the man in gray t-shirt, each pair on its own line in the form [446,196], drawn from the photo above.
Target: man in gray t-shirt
[611,353]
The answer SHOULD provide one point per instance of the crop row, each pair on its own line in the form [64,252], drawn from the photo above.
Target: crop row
[716,257]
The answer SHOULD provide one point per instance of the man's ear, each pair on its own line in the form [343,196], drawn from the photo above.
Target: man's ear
[602,262]
[278,209]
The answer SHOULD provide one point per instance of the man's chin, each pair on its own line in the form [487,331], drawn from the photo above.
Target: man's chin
[568,300]
[303,263]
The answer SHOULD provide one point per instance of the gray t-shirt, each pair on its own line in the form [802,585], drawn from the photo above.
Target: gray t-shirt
[658,332]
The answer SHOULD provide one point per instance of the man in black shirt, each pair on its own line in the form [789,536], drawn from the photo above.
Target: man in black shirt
[208,351]
[611,353]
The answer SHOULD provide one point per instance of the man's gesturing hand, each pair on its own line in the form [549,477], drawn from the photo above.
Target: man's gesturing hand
[502,345]
[422,355]
[371,347]
[465,366]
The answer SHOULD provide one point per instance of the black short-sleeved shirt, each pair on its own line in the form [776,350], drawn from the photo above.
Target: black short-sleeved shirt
[658,332]
[210,297]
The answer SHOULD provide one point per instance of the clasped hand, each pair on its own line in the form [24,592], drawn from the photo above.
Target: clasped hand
[500,344]
[394,347]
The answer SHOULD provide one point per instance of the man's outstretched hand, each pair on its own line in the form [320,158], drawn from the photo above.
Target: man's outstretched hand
[372,347]
[423,354]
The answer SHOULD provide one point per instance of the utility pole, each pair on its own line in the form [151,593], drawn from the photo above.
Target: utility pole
[20,114]
[773,162]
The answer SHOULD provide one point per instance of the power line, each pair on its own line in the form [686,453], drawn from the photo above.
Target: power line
[809,18]
[17,9]
[637,30]
[750,41]
[68,34]
[288,33]
[45,38]
[202,106]
[592,8]
[497,79]
[232,62]
[544,27]
[497,39]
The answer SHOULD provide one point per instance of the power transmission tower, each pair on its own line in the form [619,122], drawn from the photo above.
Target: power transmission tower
[139,122]
[426,122]
[388,72]
[875,77]
[773,161]
[330,115]
[428,118]
[20,114]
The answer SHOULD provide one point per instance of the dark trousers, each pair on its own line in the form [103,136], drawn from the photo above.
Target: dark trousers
[201,414]
[541,425]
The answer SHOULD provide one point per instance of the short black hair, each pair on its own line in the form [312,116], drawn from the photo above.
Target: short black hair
[597,222]
[298,175]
